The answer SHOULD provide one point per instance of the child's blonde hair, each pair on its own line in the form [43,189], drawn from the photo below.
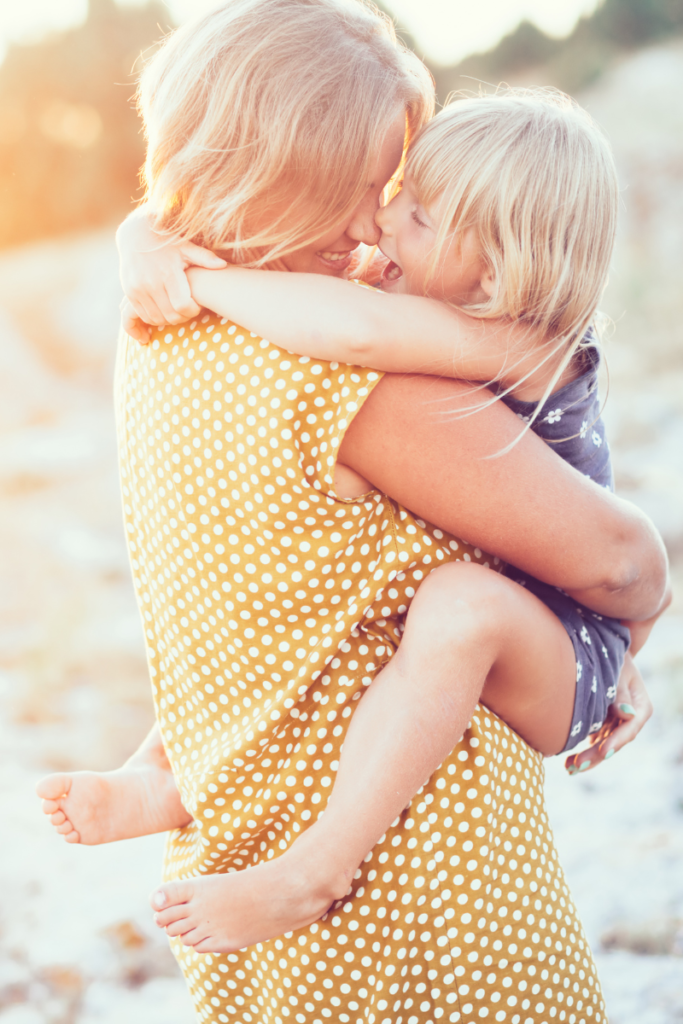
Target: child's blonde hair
[533,175]
[263,118]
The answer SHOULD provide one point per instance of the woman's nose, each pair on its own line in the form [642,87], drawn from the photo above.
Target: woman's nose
[362,226]
[383,219]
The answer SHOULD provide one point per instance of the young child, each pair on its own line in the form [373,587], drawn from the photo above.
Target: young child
[507,213]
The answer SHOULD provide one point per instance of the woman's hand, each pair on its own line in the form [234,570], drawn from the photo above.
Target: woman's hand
[626,717]
[153,278]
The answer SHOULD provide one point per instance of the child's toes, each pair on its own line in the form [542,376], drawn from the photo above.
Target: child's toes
[194,937]
[73,837]
[52,787]
[64,827]
[178,912]
[58,817]
[181,927]
[171,894]
[207,945]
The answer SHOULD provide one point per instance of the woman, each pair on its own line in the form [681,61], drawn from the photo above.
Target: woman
[229,450]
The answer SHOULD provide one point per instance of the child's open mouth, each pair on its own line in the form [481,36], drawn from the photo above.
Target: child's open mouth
[392,272]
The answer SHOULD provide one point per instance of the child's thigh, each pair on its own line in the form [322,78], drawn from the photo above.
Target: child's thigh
[471,620]
[532,683]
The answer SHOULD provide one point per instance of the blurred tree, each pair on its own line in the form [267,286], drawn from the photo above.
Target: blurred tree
[631,23]
[569,63]
[70,141]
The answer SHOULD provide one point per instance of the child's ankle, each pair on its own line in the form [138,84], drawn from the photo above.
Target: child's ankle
[148,759]
[328,866]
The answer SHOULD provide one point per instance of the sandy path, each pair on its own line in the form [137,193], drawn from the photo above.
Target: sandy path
[76,942]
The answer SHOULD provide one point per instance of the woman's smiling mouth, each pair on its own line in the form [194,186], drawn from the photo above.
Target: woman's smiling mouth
[338,261]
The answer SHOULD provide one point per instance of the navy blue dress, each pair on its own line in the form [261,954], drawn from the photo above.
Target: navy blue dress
[570,422]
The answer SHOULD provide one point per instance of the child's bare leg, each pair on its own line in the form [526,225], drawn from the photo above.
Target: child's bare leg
[470,633]
[100,807]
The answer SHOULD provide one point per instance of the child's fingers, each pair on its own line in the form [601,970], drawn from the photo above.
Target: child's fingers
[180,298]
[140,332]
[174,284]
[133,325]
[137,330]
[145,306]
[170,303]
[197,256]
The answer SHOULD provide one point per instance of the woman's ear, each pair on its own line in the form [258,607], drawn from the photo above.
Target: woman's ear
[488,283]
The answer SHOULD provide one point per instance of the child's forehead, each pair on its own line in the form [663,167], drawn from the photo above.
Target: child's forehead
[414,189]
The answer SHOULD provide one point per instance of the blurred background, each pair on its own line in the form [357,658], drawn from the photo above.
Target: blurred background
[76,941]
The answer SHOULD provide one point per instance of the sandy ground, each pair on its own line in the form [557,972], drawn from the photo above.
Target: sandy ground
[76,941]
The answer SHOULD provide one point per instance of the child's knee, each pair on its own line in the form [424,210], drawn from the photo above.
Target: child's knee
[460,599]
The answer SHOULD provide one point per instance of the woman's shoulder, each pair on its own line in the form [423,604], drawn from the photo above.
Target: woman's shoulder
[307,402]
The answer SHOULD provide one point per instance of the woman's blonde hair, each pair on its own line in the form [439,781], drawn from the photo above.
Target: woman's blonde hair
[533,175]
[263,118]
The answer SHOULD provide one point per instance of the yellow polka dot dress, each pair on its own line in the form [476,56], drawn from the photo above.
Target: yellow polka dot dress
[269,604]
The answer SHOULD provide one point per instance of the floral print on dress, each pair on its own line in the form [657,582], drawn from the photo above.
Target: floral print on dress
[570,422]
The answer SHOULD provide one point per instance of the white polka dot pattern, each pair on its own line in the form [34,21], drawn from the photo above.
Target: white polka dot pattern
[268,605]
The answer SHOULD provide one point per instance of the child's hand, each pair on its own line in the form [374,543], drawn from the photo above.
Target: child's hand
[153,274]
[133,325]
[626,717]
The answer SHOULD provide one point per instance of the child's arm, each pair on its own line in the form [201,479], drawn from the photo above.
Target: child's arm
[153,276]
[332,319]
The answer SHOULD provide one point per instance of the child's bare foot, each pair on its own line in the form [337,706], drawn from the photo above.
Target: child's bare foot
[100,807]
[225,912]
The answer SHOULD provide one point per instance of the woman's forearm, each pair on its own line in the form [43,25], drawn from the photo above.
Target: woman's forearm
[427,449]
[336,320]
[640,631]
[416,440]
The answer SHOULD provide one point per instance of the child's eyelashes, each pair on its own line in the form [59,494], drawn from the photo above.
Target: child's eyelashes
[417,219]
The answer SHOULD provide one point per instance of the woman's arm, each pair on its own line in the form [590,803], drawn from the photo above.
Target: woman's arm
[640,631]
[411,440]
[335,320]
